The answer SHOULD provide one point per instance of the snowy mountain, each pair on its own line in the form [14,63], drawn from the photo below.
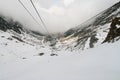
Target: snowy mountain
[18,32]
[24,63]
[16,39]
[92,32]
[87,35]
[26,54]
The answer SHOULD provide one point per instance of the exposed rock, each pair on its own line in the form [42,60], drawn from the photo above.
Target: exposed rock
[41,54]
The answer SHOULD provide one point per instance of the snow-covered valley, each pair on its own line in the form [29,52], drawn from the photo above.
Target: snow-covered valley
[77,54]
[19,61]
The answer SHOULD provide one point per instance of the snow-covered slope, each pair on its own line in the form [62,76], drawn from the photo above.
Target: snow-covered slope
[10,46]
[27,55]
[17,31]
[87,35]
[92,32]
[100,63]
[23,59]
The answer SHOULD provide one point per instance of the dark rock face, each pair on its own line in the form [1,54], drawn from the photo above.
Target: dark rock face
[111,36]
[15,26]
[88,29]
[68,32]
[41,54]
[3,24]
[17,38]
[93,40]
[53,54]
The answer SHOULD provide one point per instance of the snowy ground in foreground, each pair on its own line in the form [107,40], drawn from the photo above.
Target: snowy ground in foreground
[101,63]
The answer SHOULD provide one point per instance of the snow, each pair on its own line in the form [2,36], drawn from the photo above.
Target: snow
[99,63]
[69,43]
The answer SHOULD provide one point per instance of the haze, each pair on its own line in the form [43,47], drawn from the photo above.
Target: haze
[58,15]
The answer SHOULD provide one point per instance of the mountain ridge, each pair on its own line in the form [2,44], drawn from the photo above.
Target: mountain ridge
[87,35]
[94,30]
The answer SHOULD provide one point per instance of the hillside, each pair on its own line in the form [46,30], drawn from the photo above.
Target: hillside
[30,55]
[101,63]
[92,32]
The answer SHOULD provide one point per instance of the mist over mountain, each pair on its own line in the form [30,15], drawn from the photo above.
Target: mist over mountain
[77,54]
[94,30]
[88,34]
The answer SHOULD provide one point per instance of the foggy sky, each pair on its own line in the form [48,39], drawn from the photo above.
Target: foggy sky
[58,15]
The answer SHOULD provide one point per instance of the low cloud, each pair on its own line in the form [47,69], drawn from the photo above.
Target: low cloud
[68,2]
[58,15]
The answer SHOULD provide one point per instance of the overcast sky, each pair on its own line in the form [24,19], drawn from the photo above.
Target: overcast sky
[58,15]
